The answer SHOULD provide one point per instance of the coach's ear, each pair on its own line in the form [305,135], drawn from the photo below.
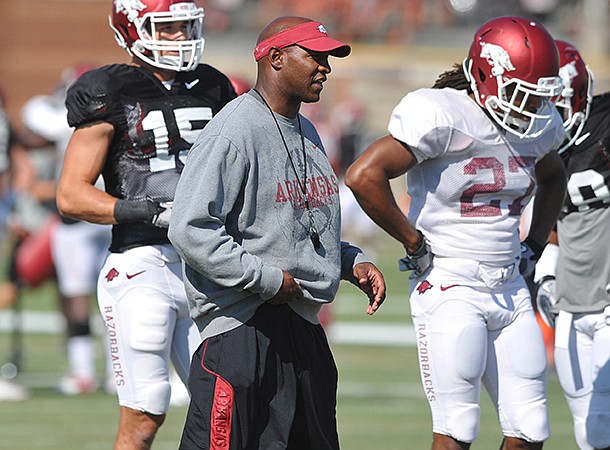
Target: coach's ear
[275,57]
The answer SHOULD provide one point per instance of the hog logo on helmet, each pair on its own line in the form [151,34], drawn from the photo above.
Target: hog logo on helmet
[136,25]
[567,73]
[130,8]
[497,57]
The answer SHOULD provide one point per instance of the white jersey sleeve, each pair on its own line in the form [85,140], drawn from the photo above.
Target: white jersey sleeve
[426,119]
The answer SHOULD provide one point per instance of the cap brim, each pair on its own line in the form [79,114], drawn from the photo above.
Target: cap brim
[325,44]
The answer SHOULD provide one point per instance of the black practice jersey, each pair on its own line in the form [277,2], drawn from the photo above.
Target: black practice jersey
[154,129]
[588,164]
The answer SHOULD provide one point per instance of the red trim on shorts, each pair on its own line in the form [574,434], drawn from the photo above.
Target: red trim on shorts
[222,410]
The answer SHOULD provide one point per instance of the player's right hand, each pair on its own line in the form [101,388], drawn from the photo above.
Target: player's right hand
[546,300]
[419,260]
[160,213]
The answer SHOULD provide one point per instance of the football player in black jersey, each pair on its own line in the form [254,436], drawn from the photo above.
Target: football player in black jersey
[134,125]
[577,301]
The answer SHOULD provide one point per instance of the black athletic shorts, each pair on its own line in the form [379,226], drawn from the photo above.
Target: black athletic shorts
[268,384]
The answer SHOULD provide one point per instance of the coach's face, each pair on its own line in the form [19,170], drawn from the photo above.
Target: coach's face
[305,72]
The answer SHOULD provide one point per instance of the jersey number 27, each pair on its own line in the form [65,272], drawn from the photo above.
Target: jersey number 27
[493,205]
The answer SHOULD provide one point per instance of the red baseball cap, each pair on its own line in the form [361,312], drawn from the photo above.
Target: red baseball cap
[309,35]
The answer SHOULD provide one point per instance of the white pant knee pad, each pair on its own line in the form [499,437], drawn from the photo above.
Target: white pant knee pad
[156,397]
[464,423]
[533,424]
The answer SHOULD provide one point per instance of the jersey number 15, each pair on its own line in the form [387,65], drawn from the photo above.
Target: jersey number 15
[184,118]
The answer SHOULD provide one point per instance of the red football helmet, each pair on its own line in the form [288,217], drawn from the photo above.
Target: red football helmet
[513,67]
[135,25]
[575,98]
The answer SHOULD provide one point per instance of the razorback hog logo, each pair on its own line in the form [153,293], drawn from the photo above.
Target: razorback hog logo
[129,7]
[423,287]
[112,274]
[497,57]
[567,73]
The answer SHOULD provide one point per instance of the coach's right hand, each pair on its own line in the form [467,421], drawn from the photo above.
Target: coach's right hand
[290,290]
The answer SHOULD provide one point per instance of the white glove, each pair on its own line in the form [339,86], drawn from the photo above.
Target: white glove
[162,216]
[546,300]
[417,261]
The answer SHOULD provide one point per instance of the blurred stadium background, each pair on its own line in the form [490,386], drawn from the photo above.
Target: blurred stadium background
[398,45]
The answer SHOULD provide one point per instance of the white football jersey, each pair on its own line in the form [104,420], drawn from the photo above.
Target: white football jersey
[472,180]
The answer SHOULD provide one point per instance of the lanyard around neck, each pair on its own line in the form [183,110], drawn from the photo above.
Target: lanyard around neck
[313,232]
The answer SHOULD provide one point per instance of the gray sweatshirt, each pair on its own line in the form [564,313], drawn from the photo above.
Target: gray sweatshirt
[239,217]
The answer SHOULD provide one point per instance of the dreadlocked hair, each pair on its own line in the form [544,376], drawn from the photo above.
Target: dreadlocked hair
[454,78]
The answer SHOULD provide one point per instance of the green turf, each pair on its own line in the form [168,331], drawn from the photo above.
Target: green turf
[380,405]
[380,401]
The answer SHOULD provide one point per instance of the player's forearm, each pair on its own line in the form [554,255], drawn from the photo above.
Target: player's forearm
[548,202]
[85,202]
[377,200]
[551,180]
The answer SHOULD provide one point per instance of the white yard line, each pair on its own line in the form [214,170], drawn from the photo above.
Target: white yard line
[356,333]
[377,333]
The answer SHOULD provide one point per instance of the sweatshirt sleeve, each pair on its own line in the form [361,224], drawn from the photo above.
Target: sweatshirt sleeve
[207,194]
[350,256]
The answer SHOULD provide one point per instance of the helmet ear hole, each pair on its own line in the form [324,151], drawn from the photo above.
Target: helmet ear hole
[124,30]
[482,76]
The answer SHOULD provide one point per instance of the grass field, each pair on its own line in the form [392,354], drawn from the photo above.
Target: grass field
[380,403]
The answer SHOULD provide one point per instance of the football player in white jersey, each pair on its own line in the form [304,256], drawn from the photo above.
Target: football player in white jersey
[476,147]
[577,303]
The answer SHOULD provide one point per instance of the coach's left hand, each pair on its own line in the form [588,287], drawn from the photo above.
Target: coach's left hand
[370,280]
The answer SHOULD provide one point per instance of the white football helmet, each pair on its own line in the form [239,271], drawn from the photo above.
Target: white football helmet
[135,25]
